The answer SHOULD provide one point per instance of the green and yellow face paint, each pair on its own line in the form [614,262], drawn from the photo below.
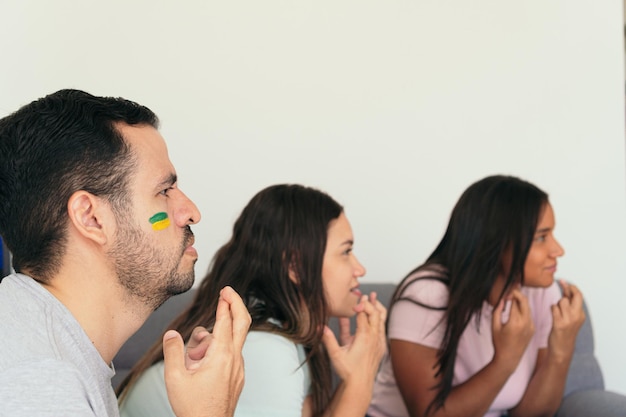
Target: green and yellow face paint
[160,221]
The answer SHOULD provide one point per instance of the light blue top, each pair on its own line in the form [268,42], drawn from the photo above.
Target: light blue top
[276,382]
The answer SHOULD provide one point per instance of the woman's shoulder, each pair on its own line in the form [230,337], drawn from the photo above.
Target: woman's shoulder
[268,337]
[426,285]
[268,354]
[148,396]
[428,273]
[262,343]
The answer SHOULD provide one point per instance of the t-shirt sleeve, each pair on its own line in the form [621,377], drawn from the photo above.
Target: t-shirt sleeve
[277,381]
[416,323]
[43,389]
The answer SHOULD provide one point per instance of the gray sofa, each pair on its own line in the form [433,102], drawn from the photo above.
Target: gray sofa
[584,396]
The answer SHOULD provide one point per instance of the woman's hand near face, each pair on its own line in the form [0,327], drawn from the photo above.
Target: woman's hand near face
[545,389]
[366,347]
[568,317]
[511,338]
[357,359]
[416,367]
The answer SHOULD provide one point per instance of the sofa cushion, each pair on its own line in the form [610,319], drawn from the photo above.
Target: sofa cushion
[592,403]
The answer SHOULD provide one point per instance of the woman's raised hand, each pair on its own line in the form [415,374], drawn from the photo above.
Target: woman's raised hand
[568,317]
[510,339]
[359,355]
[357,359]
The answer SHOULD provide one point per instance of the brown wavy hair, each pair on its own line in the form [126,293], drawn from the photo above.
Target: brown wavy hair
[282,230]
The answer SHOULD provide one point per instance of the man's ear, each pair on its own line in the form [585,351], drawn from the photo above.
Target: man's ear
[88,214]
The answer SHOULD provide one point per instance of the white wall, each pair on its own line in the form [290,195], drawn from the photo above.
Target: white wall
[393,107]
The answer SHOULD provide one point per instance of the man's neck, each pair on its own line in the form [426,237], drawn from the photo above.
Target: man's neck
[105,311]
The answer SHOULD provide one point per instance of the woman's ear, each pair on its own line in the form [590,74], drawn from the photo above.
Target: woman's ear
[292,274]
[88,215]
[291,269]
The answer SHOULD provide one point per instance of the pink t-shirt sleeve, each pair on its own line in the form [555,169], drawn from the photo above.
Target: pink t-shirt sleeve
[413,323]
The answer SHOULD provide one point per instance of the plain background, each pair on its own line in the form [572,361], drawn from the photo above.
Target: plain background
[393,107]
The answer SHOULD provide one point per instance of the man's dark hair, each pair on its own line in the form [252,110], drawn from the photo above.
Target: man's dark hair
[51,148]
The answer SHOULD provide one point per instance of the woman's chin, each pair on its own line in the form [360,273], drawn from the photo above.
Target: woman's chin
[539,283]
[347,313]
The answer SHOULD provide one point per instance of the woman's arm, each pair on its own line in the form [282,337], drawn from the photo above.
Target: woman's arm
[415,367]
[357,360]
[545,389]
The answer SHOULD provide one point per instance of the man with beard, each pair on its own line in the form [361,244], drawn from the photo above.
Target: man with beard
[100,236]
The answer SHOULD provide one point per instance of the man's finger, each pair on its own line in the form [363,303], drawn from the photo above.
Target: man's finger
[173,354]
[240,316]
[197,336]
[223,328]
[198,343]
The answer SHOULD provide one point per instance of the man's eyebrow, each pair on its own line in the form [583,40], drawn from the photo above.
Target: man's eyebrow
[168,181]
[349,242]
[544,230]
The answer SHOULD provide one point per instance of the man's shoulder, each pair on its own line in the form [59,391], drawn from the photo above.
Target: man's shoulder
[24,334]
[36,328]
[43,387]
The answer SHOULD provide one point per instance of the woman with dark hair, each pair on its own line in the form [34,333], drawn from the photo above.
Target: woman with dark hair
[290,258]
[481,328]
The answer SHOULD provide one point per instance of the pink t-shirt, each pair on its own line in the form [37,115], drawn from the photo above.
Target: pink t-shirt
[413,323]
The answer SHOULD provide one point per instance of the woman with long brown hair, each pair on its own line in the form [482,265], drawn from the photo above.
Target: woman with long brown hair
[290,258]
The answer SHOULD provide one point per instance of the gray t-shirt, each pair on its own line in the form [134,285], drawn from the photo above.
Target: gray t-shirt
[48,365]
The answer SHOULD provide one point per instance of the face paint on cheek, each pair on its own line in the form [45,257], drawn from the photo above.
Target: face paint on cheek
[160,221]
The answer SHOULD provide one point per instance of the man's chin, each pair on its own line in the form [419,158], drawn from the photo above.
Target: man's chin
[182,284]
